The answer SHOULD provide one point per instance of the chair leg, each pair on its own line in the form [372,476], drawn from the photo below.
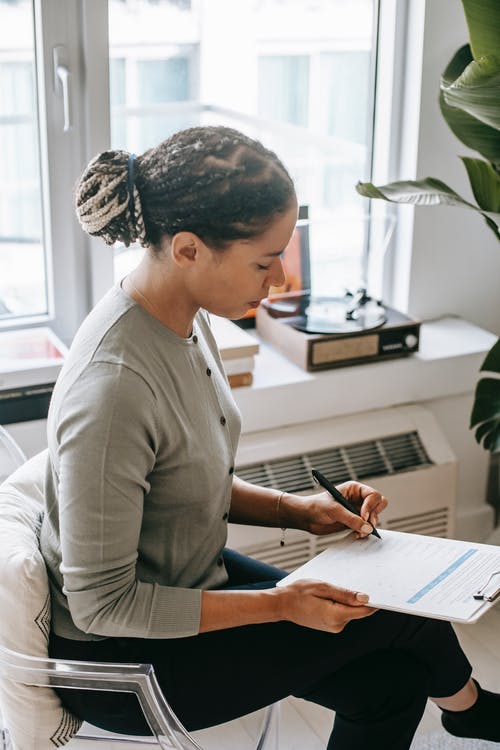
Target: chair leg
[269,733]
[137,741]
[5,743]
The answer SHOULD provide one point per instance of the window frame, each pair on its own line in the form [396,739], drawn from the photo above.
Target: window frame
[80,268]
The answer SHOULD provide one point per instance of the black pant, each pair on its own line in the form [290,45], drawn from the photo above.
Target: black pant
[376,674]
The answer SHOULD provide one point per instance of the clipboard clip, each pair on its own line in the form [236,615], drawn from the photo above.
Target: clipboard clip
[488,597]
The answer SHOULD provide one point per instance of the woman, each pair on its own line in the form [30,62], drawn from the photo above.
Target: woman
[140,481]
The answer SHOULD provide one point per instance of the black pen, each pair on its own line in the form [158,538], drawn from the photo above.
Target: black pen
[323,481]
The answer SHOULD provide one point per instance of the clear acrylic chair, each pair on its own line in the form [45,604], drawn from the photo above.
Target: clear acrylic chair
[167,731]
[139,679]
[11,455]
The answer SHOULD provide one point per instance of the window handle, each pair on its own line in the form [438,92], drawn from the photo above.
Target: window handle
[62,83]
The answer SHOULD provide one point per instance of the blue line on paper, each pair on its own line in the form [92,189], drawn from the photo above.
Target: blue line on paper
[428,586]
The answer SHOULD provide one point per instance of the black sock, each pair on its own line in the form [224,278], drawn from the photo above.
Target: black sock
[481,721]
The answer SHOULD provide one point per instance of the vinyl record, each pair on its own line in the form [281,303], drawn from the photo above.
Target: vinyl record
[328,314]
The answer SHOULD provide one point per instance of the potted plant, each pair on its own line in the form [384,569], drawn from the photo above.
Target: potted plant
[469,99]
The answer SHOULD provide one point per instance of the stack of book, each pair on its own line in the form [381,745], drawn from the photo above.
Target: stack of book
[237,349]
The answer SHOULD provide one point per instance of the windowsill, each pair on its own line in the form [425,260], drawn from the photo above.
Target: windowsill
[451,353]
[30,357]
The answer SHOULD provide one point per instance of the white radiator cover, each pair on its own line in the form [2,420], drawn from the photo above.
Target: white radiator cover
[422,499]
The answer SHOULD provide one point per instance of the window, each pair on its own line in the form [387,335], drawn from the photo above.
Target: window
[296,74]
[23,289]
[278,76]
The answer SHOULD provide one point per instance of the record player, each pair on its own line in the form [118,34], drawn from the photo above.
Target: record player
[318,333]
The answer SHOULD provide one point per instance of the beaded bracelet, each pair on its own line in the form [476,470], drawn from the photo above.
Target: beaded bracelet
[283,529]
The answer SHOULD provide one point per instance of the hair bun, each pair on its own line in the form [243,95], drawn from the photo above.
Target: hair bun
[103,202]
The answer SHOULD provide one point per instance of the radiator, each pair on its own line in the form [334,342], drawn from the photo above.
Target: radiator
[400,451]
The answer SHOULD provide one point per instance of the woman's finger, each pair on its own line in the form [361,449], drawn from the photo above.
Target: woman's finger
[373,504]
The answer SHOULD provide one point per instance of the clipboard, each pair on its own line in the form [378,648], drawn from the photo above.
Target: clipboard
[446,579]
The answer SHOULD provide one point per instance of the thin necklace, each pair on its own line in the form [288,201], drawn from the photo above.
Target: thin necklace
[149,304]
[143,296]
[153,309]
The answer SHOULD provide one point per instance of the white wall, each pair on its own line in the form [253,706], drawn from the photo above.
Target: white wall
[475,517]
[448,261]
[454,259]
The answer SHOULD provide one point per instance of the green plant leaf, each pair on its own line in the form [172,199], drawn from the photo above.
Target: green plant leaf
[476,90]
[471,131]
[486,413]
[493,226]
[483,21]
[460,60]
[485,183]
[426,192]
[482,431]
[491,440]
[492,361]
[487,401]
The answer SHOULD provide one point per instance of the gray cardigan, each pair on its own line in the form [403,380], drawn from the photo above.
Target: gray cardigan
[142,434]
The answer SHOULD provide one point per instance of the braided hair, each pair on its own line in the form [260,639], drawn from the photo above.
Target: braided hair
[213,181]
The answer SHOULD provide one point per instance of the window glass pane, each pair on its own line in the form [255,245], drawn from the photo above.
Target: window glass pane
[284,88]
[117,81]
[151,67]
[293,73]
[22,261]
[163,80]
[345,81]
[153,52]
[117,96]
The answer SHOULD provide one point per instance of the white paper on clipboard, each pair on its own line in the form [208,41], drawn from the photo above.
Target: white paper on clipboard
[422,575]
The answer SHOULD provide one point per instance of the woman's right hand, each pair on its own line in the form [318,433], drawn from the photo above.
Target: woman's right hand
[319,605]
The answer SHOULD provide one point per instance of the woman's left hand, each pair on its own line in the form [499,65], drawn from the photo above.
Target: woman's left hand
[322,514]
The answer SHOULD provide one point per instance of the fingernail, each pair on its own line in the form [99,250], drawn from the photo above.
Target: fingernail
[362,597]
[366,528]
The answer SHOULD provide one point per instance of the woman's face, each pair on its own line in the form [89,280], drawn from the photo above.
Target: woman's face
[232,281]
